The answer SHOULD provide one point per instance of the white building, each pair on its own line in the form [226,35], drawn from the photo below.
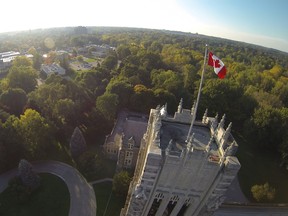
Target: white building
[174,176]
[6,58]
[53,68]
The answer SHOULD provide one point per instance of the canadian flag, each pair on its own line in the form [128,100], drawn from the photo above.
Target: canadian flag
[218,65]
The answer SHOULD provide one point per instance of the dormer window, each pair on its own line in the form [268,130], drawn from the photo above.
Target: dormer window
[131,143]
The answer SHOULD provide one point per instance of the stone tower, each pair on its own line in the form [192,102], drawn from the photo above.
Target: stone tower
[176,175]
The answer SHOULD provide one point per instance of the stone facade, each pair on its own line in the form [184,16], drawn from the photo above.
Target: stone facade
[180,175]
[124,142]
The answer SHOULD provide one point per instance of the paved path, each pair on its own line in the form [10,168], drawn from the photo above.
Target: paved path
[82,196]
[241,210]
[101,180]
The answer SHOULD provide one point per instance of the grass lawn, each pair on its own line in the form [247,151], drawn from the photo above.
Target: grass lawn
[51,199]
[102,192]
[108,166]
[107,171]
[89,60]
[258,167]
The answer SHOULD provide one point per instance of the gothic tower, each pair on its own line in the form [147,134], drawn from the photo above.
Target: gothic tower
[176,175]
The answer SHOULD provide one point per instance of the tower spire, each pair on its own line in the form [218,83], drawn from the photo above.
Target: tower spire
[204,118]
[222,121]
[193,107]
[180,106]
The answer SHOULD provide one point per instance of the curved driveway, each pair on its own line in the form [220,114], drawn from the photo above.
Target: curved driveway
[82,196]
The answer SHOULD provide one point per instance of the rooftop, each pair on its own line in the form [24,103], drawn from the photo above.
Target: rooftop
[130,124]
[52,68]
[175,133]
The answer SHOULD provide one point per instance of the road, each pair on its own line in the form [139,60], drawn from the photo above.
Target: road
[250,211]
[82,196]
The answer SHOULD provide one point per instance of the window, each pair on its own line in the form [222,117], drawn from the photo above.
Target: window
[131,143]
[127,162]
[129,154]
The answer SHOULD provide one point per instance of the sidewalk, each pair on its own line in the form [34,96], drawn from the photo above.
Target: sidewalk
[100,181]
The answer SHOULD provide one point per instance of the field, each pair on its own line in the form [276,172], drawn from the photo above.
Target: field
[258,167]
[51,199]
[103,194]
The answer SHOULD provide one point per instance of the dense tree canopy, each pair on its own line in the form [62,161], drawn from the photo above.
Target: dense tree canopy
[148,68]
[23,77]
[107,105]
[36,132]
[121,183]
[13,101]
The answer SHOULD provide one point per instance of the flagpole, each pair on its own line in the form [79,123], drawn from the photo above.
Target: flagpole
[198,96]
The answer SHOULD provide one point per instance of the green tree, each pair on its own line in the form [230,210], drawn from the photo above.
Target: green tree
[189,77]
[123,51]
[13,101]
[263,193]
[168,80]
[74,52]
[263,98]
[107,104]
[37,61]
[163,96]
[22,61]
[23,77]
[142,99]
[151,61]
[95,81]
[77,143]
[155,47]
[109,62]
[36,132]
[121,183]
[29,178]
[122,88]
[89,162]
[37,58]
[57,92]
[64,111]
[267,127]
[80,58]
[11,148]
[227,97]
[281,89]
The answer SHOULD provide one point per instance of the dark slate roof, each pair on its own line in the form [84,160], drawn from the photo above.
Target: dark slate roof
[130,124]
[134,127]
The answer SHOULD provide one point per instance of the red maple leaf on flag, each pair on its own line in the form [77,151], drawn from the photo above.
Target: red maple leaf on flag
[216,63]
[219,67]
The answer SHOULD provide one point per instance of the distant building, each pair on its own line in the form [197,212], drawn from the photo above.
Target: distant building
[9,54]
[52,69]
[124,141]
[80,30]
[177,175]
[100,51]
[6,58]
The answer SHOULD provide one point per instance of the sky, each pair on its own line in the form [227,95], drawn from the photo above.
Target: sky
[261,22]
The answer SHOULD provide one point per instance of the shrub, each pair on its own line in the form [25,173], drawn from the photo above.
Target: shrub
[263,193]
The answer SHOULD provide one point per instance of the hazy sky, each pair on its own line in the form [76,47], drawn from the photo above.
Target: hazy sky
[263,22]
